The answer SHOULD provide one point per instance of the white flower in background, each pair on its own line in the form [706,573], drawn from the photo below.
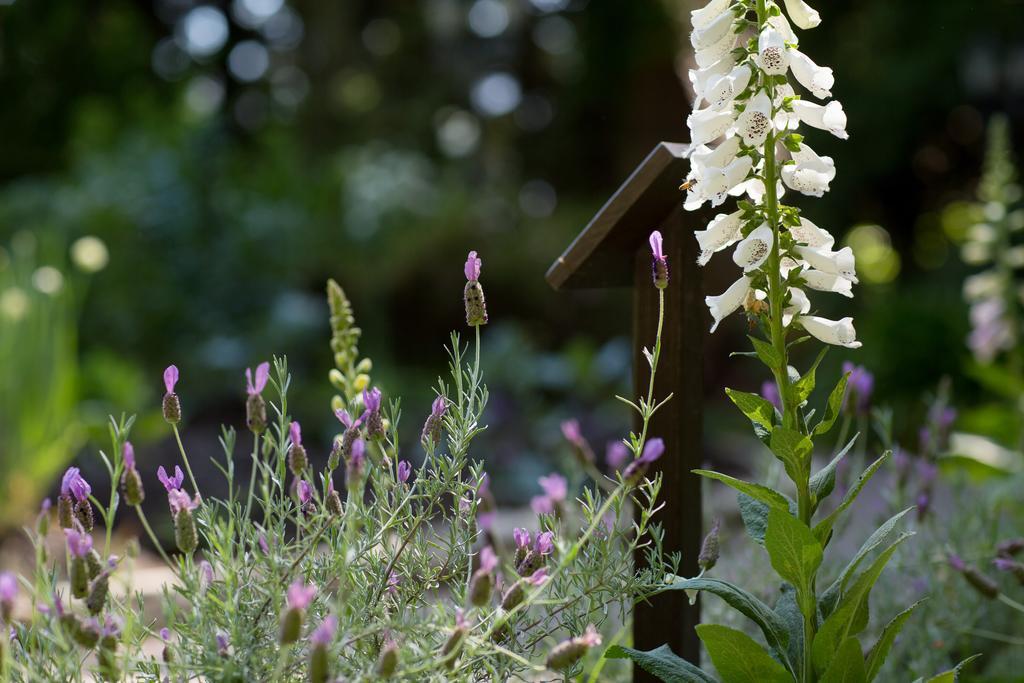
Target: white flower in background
[837,332]
[830,117]
[723,231]
[755,122]
[990,331]
[700,18]
[728,301]
[708,124]
[754,249]
[811,174]
[772,53]
[802,14]
[713,32]
[817,79]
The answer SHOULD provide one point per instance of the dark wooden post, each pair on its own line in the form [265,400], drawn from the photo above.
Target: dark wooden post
[612,251]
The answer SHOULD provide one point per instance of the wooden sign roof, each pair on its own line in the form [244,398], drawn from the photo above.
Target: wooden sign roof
[602,254]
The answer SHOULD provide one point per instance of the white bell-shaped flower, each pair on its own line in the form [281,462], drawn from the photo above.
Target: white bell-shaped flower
[798,304]
[721,91]
[715,157]
[828,282]
[707,124]
[700,18]
[754,249]
[802,14]
[841,263]
[722,232]
[817,79]
[811,174]
[713,184]
[716,51]
[809,234]
[837,332]
[756,120]
[830,117]
[706,36]
[700,78]
[772,53]
[982,285]
[780,24]
[728,301]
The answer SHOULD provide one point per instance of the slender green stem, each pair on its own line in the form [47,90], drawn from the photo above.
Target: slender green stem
[184,457]
[152,537]
[1010,602]
[648,411]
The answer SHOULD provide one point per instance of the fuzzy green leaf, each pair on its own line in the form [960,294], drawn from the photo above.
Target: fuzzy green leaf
[824,480]
[738,658]
[766,352]
[755,491]
[881,648]
[794,552]
[805,385]
[848,664]
[661,662]
[757,409]
[792,448]
[823,529]
[755,517]
[833,406]
[788,611]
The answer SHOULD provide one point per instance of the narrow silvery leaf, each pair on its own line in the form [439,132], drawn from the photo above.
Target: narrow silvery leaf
[764,494]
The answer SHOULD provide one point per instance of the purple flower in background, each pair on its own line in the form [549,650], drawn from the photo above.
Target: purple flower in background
[372,399]
[473,266]
[538,577]
[432,426]
[128,453]
[324,633]
[223,644]
[652,451]
[770,393]
[1004,564]
[488,560]
[555,486]
[295,431]
[542,505]
[486,519]
[74,485]
[956,562]
[659,263]
[264,546]
[484,488]
[927,471]
[404,470]
[305,492]
[178,500]
[521,537]
[616,454]
[394,581]
[545,543]
[170,483]
[358,456]
[859,386]
[946,418]
[300,595]
[257,385]
[165,634]
[572,433]
[170,378]
[79,543]
[111,627]
[206,571]
[8,593]
[901,461]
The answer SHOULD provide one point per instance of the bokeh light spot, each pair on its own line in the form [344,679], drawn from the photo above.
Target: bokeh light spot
[877,262]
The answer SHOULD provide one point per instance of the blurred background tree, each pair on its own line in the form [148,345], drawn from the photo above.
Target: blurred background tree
[232,156]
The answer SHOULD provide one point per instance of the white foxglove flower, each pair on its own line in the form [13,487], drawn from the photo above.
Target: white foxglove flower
[728,301]
[780,24]
[840,262]
[754,249]
[836,332]
[811,174]
[785,120]
[802,14]
[756,120]
[713,53]
[830,117]
[828,282]
[772,53]
[714,172]
[707,125]
[817,79]
[713,32]
[718,184]
[990,331]
[715,157]
[723,231]
[700,18]
[811,235]
[701,78]
[722,90]
[799,304]
[982,286]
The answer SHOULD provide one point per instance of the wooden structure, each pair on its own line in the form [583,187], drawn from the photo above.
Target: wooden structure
[613,251]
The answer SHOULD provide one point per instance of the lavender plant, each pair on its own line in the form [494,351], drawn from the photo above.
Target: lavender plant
[745,51]
[370,568]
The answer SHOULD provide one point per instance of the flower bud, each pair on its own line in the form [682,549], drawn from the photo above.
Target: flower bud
[79,576]
[85,633]
[172,409]
[83,513]
[256,413]
[979,581]
[65,511]
[337,379]
[318,667]
[567,653]
[476,306]
[107,658]
[387,661]
[453,646]
[185,531]
[361,382]
[94,563]
[709,549]
[8,592]
[291,626]
[659,263]
[333,503]
[98,592]
[131,485]
[297,460]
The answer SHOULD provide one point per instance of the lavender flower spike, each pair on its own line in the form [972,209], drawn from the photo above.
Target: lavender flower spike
[404,470]
[79,543]
[374,421]
[255,406]
[74,485]
[131,482]
[297,458]
[73,502]
[324,633]
[432,427]
[473,296]
[473,265]
[260,383]
[659,263]
[636,469]
[170,483]
[171,404]
[300,595]
[8,593]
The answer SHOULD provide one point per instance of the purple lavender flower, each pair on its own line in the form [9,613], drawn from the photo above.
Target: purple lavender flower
[171,403]
[324,633]
[170,483]
[545,543]
[128,453]
[372,399]
[653,450]
[223,644]
[300,595]
[264,546]
[112,627]
[432,426]
[404,470]
[542,505]
[374,421]
[206,571]
[946,418]
[346,420]
[295,431]
[616,455]
[257,385]
[394,581]
[131,482]
[521,537]
[473,295]
[8,594]
[571,431]
[73,484]
[555,486]
[770,393]
[488,559]
[473,265]
[538,577]
[659,263]
[79,543]
[170,378]
[956,562]
[179,501]
[859,388]
[165,634]
[305,492]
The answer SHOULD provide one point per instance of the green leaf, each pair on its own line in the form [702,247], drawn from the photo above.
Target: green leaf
[824,480]
[792,448]
[773,627]
[661,662]
[766,352]
[757,409]
[833,406]
[788,611]
[851,616]
[794,552]
[823,529]
[848,664]
[805,385]
[831,595]
[755,491]
[755,517]
[953,674]
[881,648]
[738,658]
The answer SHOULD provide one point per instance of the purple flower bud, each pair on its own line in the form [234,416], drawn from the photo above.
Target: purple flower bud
[295,431]
[572,432]
[358,456]
[324,633]
[1010,547]
[206,571]
[432,425]
[538,577]
[346,420]
[488,560]
[545,543]
[616,455]
[946,418]
[404,470]
[659,263]
[111,627]
[394,581]
[128,453]
[521,538]
[264,546]
[74,485]
[170,378]
[170,483]
[486,519]
[652,451]
[305,492]
[770,393]
[300,595]
[956,562]
[372,399]
[8,593]
[178,500]
[223,644]
[262,375]
[542,505]
[860,386]
[555,487]
[79,543]
[473,265]
[165,634]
